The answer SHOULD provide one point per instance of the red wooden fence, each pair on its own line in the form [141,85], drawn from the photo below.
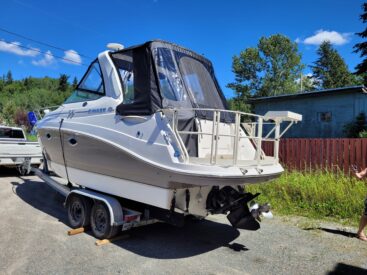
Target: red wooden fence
[320,153]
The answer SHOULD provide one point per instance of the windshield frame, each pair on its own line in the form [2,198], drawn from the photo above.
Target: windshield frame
[86,75]
[93,93]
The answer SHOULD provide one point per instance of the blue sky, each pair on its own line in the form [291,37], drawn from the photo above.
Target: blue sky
[217,29]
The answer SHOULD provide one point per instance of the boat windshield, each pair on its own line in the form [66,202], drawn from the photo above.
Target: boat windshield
[184,76]
[90,87]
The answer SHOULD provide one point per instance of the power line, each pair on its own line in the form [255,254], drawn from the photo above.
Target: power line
[46,53]
[39,42]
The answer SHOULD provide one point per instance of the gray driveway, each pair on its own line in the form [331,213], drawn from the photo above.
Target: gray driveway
[33,240]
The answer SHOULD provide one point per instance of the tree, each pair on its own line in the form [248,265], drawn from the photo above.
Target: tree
[9,78]
[238,103]
[271,68]
[8,112]
[330,70]
[63,82]
[355,128]
[361,48]
[308,83]
[26,82]
[29,94]
[75,83]
[2,84]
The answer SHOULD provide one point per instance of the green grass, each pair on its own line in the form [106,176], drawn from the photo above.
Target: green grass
[320,195]
[31,137]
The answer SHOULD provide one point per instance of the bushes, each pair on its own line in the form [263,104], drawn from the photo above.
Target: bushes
[21,96]
[8,112]
[320,194]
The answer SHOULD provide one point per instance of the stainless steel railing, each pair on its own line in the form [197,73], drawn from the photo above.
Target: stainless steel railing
[255,135]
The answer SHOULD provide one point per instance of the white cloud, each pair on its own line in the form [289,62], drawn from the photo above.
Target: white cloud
[16,48]
[72,57]
[47,60]
[320,36]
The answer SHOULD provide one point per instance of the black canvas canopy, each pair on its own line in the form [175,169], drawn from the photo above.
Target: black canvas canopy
[159,74]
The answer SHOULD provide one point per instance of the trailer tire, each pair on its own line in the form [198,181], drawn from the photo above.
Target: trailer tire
[79,209]
[101,222]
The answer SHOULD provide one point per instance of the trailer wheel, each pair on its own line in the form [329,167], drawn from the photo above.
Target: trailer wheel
[101,222]
[79,209]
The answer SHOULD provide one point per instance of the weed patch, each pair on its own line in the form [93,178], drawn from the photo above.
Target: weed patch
[320,194]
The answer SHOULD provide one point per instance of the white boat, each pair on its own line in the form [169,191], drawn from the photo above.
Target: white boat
[15,149]
[150,124]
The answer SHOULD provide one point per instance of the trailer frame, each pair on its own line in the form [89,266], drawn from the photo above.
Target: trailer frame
[119,215]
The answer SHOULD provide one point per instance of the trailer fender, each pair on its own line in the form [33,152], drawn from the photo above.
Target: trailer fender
[113,205]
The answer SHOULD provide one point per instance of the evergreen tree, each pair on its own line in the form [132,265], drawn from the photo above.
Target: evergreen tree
[63,82]
[1,85]
[330,70]
[26,82]
[271,68]
[75,83]
[9,78]
[361,48]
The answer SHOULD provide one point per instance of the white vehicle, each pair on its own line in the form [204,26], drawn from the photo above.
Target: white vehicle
[149,126]
[15,149]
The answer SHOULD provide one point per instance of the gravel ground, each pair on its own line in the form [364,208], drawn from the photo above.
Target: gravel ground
[33,240]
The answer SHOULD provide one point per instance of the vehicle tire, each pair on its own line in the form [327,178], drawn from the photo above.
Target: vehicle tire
[79,209]
[100,220]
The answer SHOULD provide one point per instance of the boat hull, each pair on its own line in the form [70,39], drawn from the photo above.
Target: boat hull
[100,157]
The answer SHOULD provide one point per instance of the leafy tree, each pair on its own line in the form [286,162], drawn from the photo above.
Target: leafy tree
[63,82]
[239,104]
[21,96]
[9,78]
[14,87]
[8,112]
[308,83]
[361,48]
[330,69]
[271,68]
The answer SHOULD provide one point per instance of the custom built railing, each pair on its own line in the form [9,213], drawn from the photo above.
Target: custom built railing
[252,126]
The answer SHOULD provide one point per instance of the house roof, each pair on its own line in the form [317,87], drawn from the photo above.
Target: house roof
[310,94]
